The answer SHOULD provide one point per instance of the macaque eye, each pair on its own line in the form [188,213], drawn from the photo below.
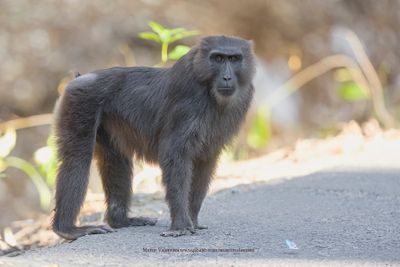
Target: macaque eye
[218,58]
[234,58]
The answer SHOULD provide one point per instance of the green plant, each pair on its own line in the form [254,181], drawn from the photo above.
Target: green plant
[166,37]
[46,161]
[348,89]
[260,131]
[42,175]
[358,81]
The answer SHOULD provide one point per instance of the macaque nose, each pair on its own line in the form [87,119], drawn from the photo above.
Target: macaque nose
[227,77]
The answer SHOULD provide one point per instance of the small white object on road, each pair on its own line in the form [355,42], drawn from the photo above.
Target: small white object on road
[291,244]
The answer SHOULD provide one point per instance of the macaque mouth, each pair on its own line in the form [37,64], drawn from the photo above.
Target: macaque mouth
[226,91]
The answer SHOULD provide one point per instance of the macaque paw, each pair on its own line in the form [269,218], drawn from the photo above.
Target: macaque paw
[176,233]
[72,233]
[201,227]
[142,221]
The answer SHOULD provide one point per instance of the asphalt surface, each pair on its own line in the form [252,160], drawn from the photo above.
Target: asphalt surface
[343,216]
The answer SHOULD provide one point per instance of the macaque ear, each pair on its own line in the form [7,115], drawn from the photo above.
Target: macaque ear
[251,43]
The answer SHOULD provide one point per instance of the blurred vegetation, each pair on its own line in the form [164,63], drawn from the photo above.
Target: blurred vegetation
[166,37]
[357,81]
[344,62]
[42,174]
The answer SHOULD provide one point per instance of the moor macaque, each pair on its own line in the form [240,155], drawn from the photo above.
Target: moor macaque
[179,117]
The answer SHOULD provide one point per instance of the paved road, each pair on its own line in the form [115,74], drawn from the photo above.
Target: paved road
[347,216]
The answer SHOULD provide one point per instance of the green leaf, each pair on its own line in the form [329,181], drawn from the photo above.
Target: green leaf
[350,91]
[44,191]
[7,142]
[260,131]
[47,164]
[156,27]
[165,36]
[178,52]
[182,35]
[150,36]
[177,30]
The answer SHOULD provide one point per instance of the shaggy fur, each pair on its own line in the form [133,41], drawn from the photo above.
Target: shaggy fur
[172,116]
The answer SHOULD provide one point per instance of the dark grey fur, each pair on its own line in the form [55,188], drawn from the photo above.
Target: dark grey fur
[180,117]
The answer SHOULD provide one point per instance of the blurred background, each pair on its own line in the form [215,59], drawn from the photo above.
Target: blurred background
[320,64]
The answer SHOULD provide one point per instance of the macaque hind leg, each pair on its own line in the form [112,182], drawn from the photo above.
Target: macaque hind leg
[74,118]
[116,173]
